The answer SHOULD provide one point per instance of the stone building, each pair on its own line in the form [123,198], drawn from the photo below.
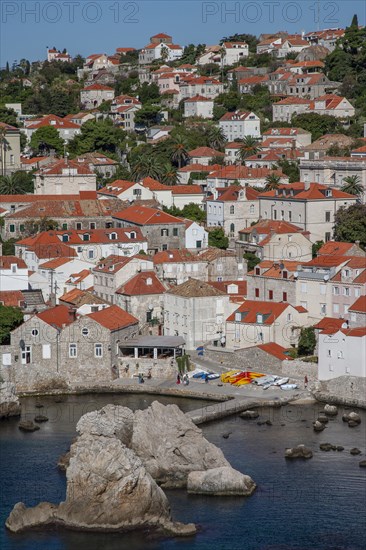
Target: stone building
[261,322]
[273,281]
[64,177]
[9,149]
[162,230]
[57,349]
[357,312]
[196,311]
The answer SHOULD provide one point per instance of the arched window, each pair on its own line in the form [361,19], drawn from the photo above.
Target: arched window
[232,209]
[232,230]
[251,209]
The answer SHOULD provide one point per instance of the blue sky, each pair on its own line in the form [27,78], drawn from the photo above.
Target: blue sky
[27,27]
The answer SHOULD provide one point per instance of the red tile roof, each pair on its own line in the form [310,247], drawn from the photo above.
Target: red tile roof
[335,248]
[58,315]
[98,87]
[68,208]
[186,190]
[113,318]
[224,286]
[276,350]
[55,263]
[62,167]
[250,308]
[232,193]
[235,115]
[7,261]
[278,227]
[24,199]
[359,306]
[174,256]
[316,191]
[205,152]
[13,298]
[143,215]
[53,120]
[144,283]
[197,98]
[153,184]
[330,325]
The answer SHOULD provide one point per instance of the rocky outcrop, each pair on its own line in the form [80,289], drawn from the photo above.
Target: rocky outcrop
[298,452]
[114,467]
[318,426]
[9,401]
[28,426]
[220,482]
[171,446]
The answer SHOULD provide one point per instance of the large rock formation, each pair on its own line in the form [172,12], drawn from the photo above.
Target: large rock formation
[9,402]
[171,446]
[112,468]
[220,482]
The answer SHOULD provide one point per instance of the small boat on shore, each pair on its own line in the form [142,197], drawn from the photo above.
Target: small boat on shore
[288,387]
[281,382]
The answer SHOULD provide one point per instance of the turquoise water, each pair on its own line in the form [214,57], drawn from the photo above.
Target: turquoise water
[314,504]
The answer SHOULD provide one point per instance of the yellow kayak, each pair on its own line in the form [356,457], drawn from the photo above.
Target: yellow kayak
[225,377]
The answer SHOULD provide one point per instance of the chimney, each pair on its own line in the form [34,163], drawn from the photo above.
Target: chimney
[72,314]
[307,185]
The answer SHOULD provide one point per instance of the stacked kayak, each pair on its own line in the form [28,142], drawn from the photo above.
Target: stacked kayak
[201,374]
[240,378]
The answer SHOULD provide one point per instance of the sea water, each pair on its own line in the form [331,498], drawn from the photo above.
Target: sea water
[301,504]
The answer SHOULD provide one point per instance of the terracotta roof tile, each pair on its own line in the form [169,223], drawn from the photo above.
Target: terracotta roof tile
[142,215]
[276,350]
[144,283]
[59,315]
[7,261]
[359,305]
[113,318]
[13,298]
[251,308]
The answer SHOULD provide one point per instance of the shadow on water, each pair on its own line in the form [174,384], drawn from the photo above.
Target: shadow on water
[314,504]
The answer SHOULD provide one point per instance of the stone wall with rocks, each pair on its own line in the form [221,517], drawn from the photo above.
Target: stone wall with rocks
[246,359]
[344,390]
[129,367]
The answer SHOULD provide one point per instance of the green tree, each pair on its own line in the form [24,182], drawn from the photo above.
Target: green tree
[146,166]
[9,245]
[217,238]
[273,181]
[352,185]
[252,260]
[354,22]
[17,183]
[307,341]
[98,135]
[316,247]
[8,116]
[147,115]
[215,137]
[169,175]
[250,39]
[317,124]
[38,225]
[46,138]
[248,148]
[290,169]
[10,318]
[179,150]
[350,224]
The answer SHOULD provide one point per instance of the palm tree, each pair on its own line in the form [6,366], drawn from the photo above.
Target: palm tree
[179,150]
[215,138]
[11,185]
[272,182]
[169,174]
[146,166]
[248,148]
[353,185]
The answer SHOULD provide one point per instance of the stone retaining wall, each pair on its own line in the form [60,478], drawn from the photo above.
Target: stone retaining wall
[344,390]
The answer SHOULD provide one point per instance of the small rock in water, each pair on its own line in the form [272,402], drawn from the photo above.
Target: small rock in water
[40,418]
[325,447]
[355,451]
[323,419]
[340,448]
[28,426]
[249,415]
[330,410]
[226,435]
[362,464]
[298,452]
[352,424]
[269,423]
[261,422]
[318,426]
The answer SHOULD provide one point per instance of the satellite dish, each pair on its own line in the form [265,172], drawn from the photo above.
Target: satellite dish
[282,266]
[296,274]
[326,278]
[22,344]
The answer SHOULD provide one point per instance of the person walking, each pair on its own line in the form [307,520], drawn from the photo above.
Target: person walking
[178,379]
[306,381]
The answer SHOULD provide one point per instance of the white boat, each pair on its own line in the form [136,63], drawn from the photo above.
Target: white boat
[281,382]
[265,380]
[288,387]
[213,376]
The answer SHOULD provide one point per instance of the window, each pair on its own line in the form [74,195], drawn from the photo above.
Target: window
[323,309]
[256,292]
[148,316]
[232,209]
[257,270]
[64,226]
[90,254]
[304,288]
[335,308]
[164,247]
[289,317]
[175,232]
[329,353]
[98,350]
[336,290]
[346,291]
[73,350]
[251,209]
[284,296]
[46,351]
[12,228]
[270,295]
[290,216]
[327,237]
[35,332]
[85,331]
[357,292]
[65,238]
[340,355]
[79,225]
[323,289]
[27,355]
[86,237]
[275,214]
[92,225]
[113,236]
[232,230]
[21,228]
[164,233]
[327,216]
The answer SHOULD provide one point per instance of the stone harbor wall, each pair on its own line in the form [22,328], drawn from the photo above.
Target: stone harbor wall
[245,359]
[298,368]
[344,390]
[129,367]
